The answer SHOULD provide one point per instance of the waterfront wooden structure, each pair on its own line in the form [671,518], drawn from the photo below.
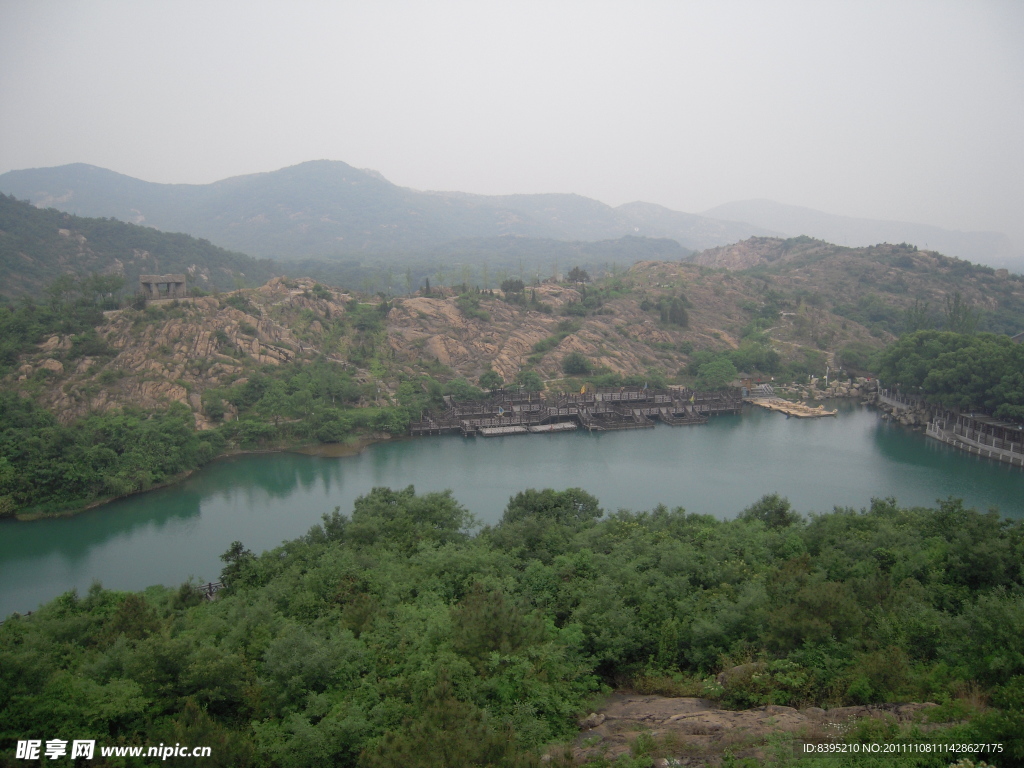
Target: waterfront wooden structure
[980,435]
[507,413]
[975,433]
[900,400]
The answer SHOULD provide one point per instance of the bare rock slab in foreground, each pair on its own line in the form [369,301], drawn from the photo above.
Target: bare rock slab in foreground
[691,731]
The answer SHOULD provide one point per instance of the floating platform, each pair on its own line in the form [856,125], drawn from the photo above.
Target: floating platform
[560,426]
[799,410]
[499,431]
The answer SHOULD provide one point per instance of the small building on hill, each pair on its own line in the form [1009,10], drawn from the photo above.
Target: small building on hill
[1019,338]
[163,286]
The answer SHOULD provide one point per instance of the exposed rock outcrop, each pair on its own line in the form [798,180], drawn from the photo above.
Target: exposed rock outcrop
[173,350]
[695,732]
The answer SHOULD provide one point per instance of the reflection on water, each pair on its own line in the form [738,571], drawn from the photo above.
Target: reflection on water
[73,537]
[172,533]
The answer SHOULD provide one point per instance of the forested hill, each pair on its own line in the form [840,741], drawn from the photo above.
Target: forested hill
[327,208]
[391,638]
[39,245]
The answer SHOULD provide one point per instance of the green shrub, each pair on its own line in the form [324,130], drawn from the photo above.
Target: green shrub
[241,303]
[575,364]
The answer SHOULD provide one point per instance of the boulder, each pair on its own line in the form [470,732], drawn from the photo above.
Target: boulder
[740,674]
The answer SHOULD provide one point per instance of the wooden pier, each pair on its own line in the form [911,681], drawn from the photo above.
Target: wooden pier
[558,426]
[500,431]
[513,413]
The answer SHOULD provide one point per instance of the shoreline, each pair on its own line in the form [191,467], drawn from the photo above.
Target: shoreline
[349,448]
[324,450]
[354,447]
[290,485]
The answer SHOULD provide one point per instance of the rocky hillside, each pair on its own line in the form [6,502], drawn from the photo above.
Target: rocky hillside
[761,251]
[803,304]
[876,285]
[992,248]
[624,335]
[174,351]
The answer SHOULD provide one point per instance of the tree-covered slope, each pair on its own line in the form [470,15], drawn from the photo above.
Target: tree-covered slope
[392,637]
[959,371]
[39,245]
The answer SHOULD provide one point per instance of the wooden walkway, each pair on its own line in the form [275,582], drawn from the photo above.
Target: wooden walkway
[980,435]
[600,411]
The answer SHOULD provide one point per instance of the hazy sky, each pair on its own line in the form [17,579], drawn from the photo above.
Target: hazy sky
[897,110]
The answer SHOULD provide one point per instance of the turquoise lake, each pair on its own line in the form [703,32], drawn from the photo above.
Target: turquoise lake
[171,534]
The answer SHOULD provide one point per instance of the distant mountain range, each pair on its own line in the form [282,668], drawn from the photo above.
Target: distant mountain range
[37,245]
[324,209]
[327,208]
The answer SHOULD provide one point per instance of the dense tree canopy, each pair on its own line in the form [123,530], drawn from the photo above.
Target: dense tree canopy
[530,381]
[39,246]
[577,275]
[716,374]
[491,379]
[392,636]
[961,371]
[43,462]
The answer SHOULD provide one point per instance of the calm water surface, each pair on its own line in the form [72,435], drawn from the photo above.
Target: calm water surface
[168,535]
